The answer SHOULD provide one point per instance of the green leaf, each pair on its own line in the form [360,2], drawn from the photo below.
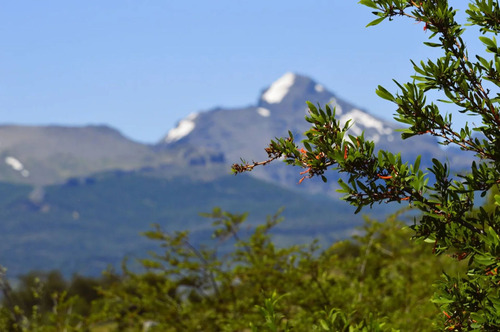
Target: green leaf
[484,259]
[416,165]
[345,187]
[368,3]
[383,93]
[488,42]
[324,325]
[375,22]
[312,108]
[442,300]
[432,44]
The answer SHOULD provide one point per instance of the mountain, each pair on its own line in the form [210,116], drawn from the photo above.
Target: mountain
[245,132]
[51,154]
[44,155]
[76,198]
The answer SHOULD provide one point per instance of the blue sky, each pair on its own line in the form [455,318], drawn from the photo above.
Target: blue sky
[140,66]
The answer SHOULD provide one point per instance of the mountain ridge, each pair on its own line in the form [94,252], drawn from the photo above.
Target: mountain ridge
[76,198]
[245,132]
[43,155]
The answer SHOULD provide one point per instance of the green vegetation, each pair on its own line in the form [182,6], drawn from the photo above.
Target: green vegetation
[377,280]
[449,217]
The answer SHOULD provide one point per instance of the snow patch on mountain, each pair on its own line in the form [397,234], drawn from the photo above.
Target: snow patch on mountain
[319,88]
[264,112]
[361,121]
[365,120]
[14,163]
[17,166]
[279,89]
[184,128]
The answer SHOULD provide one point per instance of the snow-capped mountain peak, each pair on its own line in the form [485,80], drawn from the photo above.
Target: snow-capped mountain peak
[279,89]
[290,92]
[280,106]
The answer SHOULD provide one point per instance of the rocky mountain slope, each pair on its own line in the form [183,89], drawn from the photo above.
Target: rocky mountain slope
[245,132]
[52,154]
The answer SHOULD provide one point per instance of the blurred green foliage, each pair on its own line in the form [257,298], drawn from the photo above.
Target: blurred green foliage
[378,280]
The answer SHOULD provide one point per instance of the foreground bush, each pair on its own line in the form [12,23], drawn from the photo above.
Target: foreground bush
[378,280]
[449,218]
[378,277]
